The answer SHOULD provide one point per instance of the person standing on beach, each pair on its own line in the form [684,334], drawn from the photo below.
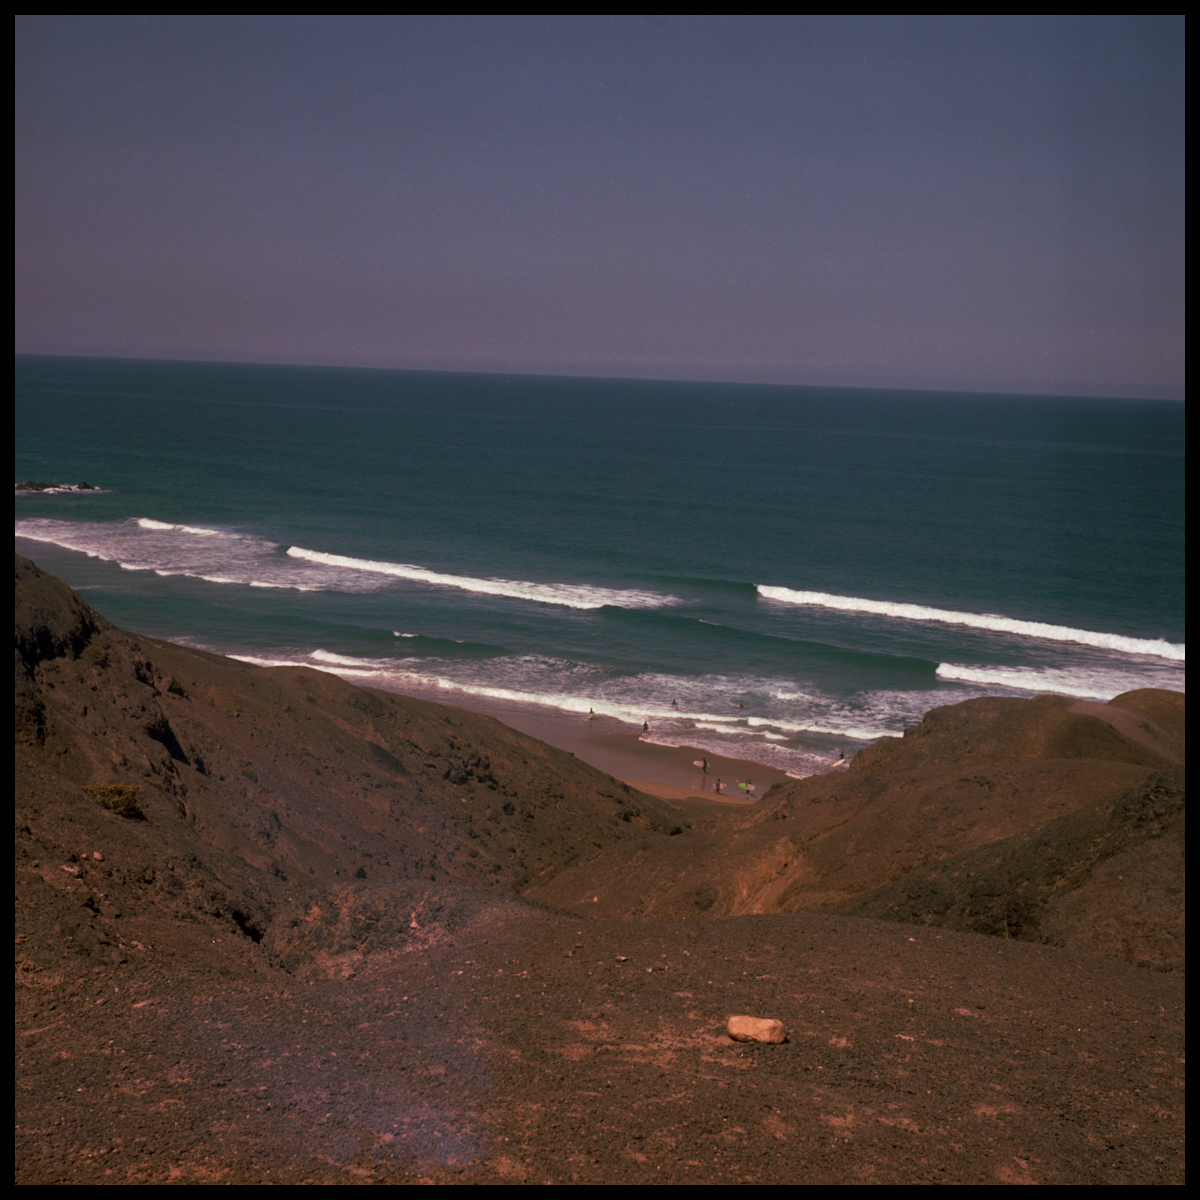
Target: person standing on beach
[717,786]
[591,714]
[704,766]
[645,726]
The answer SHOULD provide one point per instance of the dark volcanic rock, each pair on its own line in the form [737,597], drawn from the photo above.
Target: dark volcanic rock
[51,619]
[29,485]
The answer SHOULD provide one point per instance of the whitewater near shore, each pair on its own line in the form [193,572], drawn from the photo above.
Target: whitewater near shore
[558,547]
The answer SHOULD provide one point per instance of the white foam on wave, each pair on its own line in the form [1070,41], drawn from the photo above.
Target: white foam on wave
[1097,683]
[258,661]
[571,689]
[168,574]
[647,698]
[109,543]
[1158,648]
[422,681]
[194,530]
[344,660]
[826,724]
[262,583]
[216,556]
[56,533]
[734,736]
[791,760]
[581,596]
[366,670]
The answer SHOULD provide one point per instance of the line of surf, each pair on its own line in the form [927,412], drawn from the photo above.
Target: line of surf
[195,530]
[631,710]
[579,596]
[1094,684]
[321,660]
[735,735]
[1158,648]
[216,556]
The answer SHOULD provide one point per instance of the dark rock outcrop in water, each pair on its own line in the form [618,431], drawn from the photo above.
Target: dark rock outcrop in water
[299,931]
[29,485]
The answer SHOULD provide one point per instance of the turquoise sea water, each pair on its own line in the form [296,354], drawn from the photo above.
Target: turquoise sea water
[766,572]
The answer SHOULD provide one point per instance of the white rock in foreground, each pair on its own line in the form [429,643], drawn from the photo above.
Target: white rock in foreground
[756,1029]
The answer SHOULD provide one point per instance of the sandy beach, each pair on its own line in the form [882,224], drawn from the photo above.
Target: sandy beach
[620,750]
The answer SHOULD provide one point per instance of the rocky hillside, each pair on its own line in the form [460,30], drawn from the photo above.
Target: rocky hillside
[1049,820]
[300,776]
[273,927]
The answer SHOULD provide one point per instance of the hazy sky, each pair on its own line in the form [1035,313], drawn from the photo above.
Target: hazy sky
[977,202]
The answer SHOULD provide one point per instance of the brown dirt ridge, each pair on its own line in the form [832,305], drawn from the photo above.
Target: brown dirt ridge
[299,931]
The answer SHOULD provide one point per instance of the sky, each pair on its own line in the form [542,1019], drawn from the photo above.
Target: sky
[988,204]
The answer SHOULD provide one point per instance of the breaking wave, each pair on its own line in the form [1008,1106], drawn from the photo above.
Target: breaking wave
[1159,647]
[581,596]
[1094,683]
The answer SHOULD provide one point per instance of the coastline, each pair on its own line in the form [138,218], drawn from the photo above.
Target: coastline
[619,750]
[225,861]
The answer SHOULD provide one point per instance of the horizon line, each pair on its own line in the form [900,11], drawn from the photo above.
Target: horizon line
[1168,394]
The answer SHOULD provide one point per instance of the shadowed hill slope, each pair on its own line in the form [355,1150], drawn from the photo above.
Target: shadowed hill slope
[298,773]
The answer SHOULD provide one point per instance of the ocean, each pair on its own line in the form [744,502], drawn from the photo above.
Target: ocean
[779,574]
